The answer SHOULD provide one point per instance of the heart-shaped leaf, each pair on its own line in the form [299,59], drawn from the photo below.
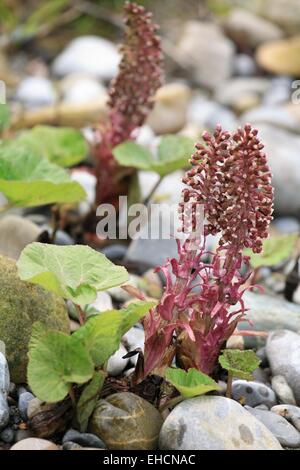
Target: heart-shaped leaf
[276,249]
[27,180]
[173,153]
[89,398]
[191,383]
[74,272]
[102,333]
[56,360]
[61,145]
[240,363]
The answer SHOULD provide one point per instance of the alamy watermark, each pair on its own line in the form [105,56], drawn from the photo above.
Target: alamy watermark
[154,221]
[296,94]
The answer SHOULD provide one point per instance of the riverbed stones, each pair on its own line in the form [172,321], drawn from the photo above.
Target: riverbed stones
[283,349]
[116,364]
[286,434]
[33,443]
[214,423]
[125,421]
[83,439]
[4,411]
[253,393]
[289,412]
[268,313]
[79,57]
[15,233]
[4,374]
[280,57]
[250,30]
[36,91]
[170,108]
[23,403]
[204,43]
[21,304]
[283,390]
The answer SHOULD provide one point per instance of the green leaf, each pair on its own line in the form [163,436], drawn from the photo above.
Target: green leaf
[27,180]
[131,154]
[74,272]
[61,145]
[56,360]
[173,153]
[89,398]
[133,313]
[191,383]
[240,363]
[276,249]
[5,116]
[102,333]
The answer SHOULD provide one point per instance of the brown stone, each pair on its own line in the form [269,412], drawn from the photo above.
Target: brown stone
[125,421]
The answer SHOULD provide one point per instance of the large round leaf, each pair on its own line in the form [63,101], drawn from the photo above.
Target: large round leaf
[173,153]
[102,333]
[27,180]
[240,363]
[56,361]
[191,383]
[74,272]
[61,145]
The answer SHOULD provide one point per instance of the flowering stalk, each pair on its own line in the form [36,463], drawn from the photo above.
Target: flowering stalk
[230,179]
[131,96]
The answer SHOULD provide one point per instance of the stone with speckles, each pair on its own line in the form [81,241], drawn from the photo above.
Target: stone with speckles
[214,423]
[253,393]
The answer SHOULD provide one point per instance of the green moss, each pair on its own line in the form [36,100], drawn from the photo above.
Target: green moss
[21,304]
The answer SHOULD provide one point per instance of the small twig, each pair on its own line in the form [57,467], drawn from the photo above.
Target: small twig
[99,13]
[261,334]
[72,396]
[148,198]
[81,314]
[229,385]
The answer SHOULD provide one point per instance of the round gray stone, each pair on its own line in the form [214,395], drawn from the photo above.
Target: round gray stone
[83,439]
[289,412]
[4,374]
[4,411]
[214,423]
[283,390]
[283,350]
[269,313]
[253,393]
[286,434]
[23,402]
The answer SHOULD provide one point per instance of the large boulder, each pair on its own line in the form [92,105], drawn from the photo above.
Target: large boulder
[22,304]
[214,423]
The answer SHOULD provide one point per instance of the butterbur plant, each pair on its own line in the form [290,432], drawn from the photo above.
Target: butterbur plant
[75,365]
[203,300]
[131,96]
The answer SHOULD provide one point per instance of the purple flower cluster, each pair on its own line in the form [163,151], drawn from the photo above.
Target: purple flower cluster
[131,97]
[230,178]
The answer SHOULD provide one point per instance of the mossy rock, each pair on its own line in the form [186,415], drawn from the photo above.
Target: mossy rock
[22,304]
[125,421]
